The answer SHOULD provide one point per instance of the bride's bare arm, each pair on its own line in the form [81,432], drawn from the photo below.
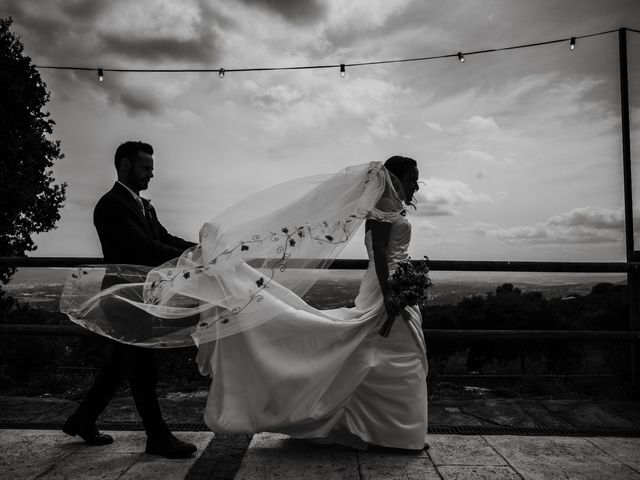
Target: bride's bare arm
[379,242]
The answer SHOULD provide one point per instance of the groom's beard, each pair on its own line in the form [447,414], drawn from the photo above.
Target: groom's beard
[138,183]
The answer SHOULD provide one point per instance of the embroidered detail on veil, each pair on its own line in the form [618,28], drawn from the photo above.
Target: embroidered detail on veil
[218,287]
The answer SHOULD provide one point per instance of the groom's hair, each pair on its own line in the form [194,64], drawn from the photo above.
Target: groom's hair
[129,150]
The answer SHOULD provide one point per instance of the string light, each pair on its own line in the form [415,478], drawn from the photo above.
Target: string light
[221,71]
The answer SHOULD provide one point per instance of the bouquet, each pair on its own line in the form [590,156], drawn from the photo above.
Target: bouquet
[409,285]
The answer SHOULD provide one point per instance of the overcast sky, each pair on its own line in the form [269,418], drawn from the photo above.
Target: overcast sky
[520,150]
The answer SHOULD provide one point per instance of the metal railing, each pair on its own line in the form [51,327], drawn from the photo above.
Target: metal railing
[631,336]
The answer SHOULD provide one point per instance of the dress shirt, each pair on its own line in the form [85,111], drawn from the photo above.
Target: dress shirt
[135,196]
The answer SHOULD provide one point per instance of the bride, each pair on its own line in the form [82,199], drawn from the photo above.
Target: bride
[276,363]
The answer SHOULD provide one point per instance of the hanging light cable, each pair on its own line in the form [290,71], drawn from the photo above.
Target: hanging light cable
[221,72]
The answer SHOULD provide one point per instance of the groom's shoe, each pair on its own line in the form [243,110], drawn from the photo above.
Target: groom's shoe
[169,446]
[90,434]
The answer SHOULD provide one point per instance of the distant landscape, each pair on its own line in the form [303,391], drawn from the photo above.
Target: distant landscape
[459,300]
[41,287]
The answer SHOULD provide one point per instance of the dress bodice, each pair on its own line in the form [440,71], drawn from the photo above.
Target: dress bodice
[398,245]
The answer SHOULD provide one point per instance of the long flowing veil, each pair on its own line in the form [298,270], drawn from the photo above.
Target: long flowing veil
[243,269]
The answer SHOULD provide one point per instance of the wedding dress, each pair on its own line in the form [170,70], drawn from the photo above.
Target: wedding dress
[313,373]
[276,363]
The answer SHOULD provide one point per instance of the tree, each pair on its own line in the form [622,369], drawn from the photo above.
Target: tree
[29,199]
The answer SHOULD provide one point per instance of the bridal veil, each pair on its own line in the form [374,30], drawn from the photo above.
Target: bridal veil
[217,288]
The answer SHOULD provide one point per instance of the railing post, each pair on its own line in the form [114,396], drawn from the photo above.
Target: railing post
[633,276]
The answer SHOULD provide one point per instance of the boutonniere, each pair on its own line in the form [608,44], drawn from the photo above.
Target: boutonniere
[146,203]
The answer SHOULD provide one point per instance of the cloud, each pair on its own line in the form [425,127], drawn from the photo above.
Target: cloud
[582,225]
[297,12]
[113,34]
[444,197]
[352,17]
[200,48]
[83,10]
[136,101]
[478,122]
[278,97]
[318,105]
[477,156]
[156,31]
[382,127]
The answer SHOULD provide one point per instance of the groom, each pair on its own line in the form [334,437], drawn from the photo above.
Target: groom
[130,233]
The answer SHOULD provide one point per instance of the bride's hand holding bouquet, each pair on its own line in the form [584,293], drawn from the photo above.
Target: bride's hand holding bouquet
[408,286]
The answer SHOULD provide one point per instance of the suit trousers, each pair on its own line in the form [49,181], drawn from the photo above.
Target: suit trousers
[138,364]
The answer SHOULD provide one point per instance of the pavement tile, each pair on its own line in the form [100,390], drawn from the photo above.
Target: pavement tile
[477,472]
[31,409]
[497,411]
[135,441]
[462,450]
[28,453]
[123,442]
[551,458]
[626,450]
[625,409]
[145,469]
[275,456]
[586,414]
[377,465]
[451,415]
[92,466]
[541,415]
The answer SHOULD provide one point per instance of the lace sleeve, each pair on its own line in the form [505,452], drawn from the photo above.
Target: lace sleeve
[385,187]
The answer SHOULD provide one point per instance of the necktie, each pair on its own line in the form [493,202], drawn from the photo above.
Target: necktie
[141,205]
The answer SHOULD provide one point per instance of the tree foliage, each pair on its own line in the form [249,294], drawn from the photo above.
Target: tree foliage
[29,198]
[604,308]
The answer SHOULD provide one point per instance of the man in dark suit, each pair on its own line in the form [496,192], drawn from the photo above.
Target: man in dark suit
[130,233]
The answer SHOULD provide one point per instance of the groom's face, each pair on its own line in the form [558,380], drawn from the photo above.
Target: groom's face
[140,171]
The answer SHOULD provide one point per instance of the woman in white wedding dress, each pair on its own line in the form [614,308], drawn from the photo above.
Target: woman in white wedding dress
[328,374]
[276,363]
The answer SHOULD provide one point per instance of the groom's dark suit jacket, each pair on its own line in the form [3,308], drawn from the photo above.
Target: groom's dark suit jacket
[128,236]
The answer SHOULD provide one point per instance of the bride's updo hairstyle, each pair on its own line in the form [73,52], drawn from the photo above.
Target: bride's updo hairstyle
[398,166]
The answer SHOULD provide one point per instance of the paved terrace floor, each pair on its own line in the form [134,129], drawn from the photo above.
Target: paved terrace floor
[29,452]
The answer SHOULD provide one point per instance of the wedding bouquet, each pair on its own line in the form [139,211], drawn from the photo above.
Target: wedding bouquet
[409,285]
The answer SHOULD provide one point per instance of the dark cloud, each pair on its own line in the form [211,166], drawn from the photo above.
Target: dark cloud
[74,33]
[84,9]
[202,47]
[42,30]
[136,102]
[199,49]
[583,225]
[296,11]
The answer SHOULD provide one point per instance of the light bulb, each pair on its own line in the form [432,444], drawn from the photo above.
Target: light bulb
[100,75]
[221,73]
[461,57]
[572,43]
[343,73]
